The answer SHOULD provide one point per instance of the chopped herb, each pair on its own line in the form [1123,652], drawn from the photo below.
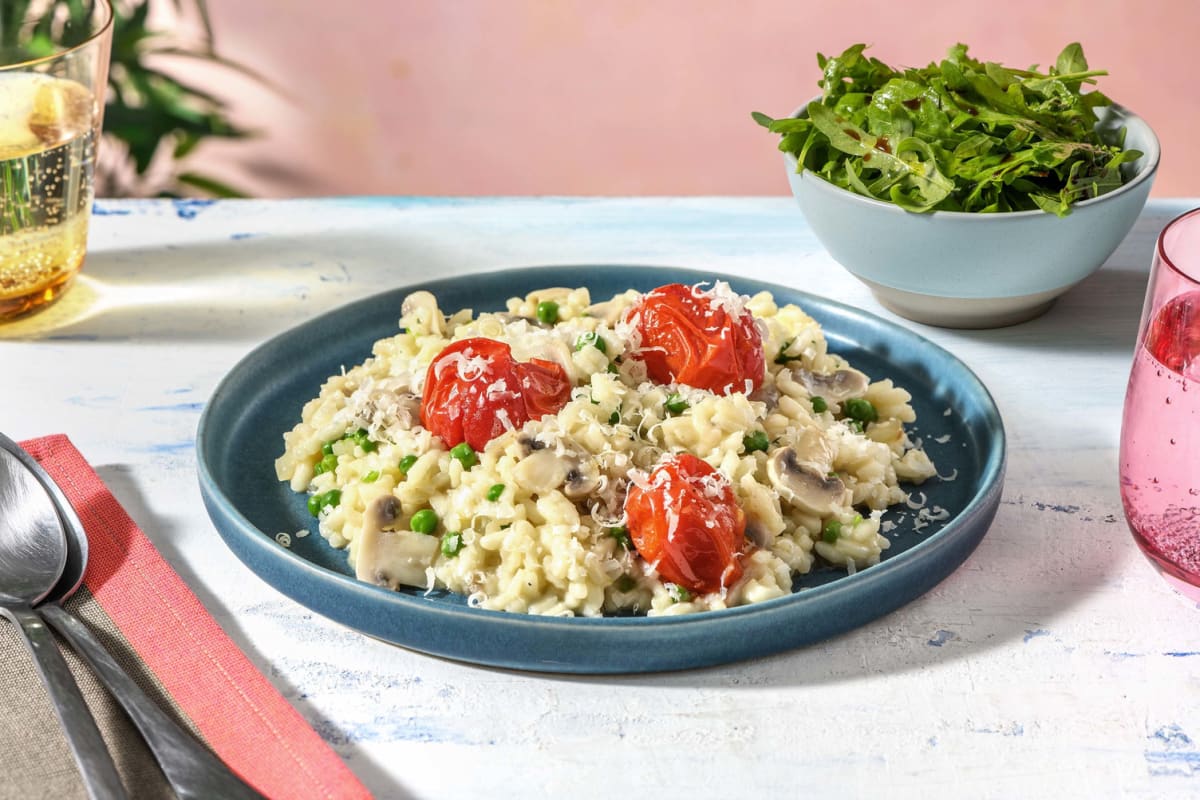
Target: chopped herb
[678,593]
[592,339]
[495,491]
[783,356]
[621,534]
[756,441]
[675,404]
[614,418]
[327,449]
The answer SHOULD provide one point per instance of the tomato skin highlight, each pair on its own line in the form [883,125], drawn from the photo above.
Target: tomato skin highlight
[688,521]
[475,390]
[688,337]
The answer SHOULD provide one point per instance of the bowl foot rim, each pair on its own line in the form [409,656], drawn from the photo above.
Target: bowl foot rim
[964,312]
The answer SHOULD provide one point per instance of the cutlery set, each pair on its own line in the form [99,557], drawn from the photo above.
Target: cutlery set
[43,556]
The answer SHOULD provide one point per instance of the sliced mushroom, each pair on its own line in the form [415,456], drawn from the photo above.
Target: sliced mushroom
[767,394]
[757,533]
[544,470]
[609,311]
[391,558]
[381,512]
[804,486]
[422,307]
[835,386]
[530,445]
[813,448]
[509,319]
[582,479]
[541,471]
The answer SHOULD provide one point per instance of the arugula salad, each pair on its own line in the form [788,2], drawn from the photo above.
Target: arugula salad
[958,135]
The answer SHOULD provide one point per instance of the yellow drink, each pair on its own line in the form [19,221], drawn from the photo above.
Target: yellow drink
[47,159]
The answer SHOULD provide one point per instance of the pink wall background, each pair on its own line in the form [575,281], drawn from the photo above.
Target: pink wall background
[627,97]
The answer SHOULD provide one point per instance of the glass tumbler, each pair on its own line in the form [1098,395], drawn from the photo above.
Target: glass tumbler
[53,71]
[1160,430]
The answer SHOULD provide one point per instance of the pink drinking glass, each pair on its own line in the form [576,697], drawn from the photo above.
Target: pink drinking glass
[1160,431]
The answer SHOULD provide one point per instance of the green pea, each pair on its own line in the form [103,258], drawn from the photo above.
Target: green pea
[406,463]
[424,521]
[756,441]
[547,312]
[332,498]
[326,464]
[327,449]
[464,454]
[371,476]
[314,504]
[832,530]
[621,534]
[593,339]
[495,491]
[860,409]
[451,543]
[675,403]
[819,405]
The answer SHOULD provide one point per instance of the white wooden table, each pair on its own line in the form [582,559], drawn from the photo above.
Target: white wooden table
[1053,662]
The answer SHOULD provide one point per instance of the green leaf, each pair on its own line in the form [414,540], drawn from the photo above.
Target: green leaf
[762,119]
[209,185]
[1070,60]
[957,135]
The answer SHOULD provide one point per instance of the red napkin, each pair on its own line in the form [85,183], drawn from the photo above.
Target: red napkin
[239,714]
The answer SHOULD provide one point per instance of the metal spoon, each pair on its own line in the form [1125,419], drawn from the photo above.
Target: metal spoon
[192,770]
[33,551]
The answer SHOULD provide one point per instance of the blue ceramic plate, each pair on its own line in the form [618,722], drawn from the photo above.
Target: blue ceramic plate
[241,434]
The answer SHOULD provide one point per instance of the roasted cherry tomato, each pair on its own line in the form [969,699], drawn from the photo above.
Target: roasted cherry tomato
[686,520]
[700,338]
[475,390]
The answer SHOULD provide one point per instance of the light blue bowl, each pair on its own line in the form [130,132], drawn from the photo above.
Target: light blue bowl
[965,270]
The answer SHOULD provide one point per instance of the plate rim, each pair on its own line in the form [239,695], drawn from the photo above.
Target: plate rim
[247,540]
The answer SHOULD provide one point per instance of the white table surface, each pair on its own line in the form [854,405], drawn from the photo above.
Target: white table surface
[1054,661]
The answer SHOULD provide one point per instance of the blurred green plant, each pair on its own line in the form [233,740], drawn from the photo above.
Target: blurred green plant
[152,119]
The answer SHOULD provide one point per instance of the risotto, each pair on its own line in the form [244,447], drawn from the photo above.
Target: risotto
[676,451]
